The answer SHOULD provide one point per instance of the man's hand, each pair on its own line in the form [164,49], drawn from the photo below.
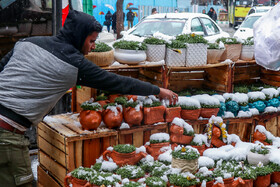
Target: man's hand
[168,94]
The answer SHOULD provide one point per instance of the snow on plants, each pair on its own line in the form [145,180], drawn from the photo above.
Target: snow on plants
[148,158]
[160,137]
[162,36]
[124,126]
[232,138]
[180,122]
[274,156]
[140,149]
[254,111]
[215,120]
[268,134]
[114,109]
[207,101]
[270,93]
[165,157]
[270,109]
[228,115]
[218,153]
[244,114]
[228,96]
[219,180]
[256,96]
[220,98]
[204,161]
[200,139]
[240,98]
[188,102]
[108,166]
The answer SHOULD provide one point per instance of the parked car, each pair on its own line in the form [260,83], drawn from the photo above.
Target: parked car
[173,24]
[245,30]
[259,9]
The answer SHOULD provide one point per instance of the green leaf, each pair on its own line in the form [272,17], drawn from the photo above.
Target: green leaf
[102,47]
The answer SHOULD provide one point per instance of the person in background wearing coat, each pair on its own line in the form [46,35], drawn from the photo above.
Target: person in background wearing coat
[130,17]
[108,19]
[214,16]
[154,11]
[114,22]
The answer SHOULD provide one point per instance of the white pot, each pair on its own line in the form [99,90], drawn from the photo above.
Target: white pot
[129,56]
[196,55]
[247,52]
[155,53]
[174,58]
[255,158]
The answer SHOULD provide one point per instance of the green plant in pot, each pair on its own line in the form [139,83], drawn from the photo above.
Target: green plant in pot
[209,105]
[275,177]
[263,175]
[183,179]
[157,141]
[185,158]
[233,48]
[257,154]
[131,172]
[172,111]
[199,142]
[90,116]
[79,176]
[130,52]
[149,166]
[153,111]
[176,54]
[105,166]
[155,49]
[112,115]
[204,174]
[124,154]
[102,55]
[105,179]
[133,184]
[102,99]
[190,108]
[155,182]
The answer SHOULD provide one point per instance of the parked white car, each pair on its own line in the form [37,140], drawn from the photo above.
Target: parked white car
[173,24]
[245,30]
[259,9]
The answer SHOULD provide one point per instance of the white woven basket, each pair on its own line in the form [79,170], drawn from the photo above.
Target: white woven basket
[247,52]
[175,58]
[155,53]
[196,55]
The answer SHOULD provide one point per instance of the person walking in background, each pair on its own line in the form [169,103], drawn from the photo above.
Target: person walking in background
[214,16]
[154,11]
[108,20]
[130,17]
[203,11]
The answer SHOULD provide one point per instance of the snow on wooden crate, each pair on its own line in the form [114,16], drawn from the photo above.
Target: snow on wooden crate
[64,146]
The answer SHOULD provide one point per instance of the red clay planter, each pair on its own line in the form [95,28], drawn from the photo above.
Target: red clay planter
[200,148]
[262,181]
[111,120]
[275,177]
[133,117]
[122,159]
[153,115]
[190,114]
[74,181]
[208,112]
[90,119]
[171,113]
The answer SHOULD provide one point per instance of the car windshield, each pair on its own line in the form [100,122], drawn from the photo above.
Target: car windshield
[169,27]
[249,22]
[261,10]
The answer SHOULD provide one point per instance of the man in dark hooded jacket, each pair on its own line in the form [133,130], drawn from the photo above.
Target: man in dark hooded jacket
[37,73]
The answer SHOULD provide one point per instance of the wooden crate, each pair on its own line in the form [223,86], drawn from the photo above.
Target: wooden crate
[246,72]
[212,76]
[270,77]
[63,146]
[139,135]
[45,178]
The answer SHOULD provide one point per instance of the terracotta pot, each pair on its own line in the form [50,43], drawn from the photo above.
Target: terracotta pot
[154,149]
[133,117]
[153,115]
[111,120]
[135,180]
[168,184]
[275,177]
[208,112]
[74,181]
[262,181]
[180,139]
[200,148]
[247,183]
[90,119]
[104,102]
[171,113]
[190,114]
[217,142]
[259,136]
[133,97]
[228,182]
[208,184]
[176,129]
[113,97]
[122,159]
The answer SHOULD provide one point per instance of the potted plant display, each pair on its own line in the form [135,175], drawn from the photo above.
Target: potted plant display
[199,142]
[275,177]
[133,173]
[90,116]
[256,100]
[129,52]
[153,112]
[155,49]
[196,54]
[205,176]
[123,154]
[148,167]
[102,99]
[155,182]
[185,158]
[181,132]
[209,105]
[105,166]
[247,174]
[172,111]
[104,179]
[263,176]
[190,108]
[214,52]
[259,135]
[247,52]
[133,113]
[233,48]
[259,153]
[79,177]
[157,141]
[176,54]
[183,179]
[112,115]
[159,171]
[133,184]
[102,55]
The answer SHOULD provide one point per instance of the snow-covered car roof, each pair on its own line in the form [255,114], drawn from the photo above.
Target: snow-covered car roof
[257,14]
[262,7]
[176,15]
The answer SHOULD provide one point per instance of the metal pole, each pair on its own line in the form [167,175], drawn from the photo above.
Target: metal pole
[56,16]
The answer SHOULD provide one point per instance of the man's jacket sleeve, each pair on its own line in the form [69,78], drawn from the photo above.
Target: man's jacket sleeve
[5,60]
[95,77]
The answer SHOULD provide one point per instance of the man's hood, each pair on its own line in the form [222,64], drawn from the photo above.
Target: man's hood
[77,27]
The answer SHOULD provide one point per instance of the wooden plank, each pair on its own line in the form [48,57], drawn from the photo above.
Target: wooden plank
[58,171]
[82,94]
[198,67]
[269,72]
[71,165]
[62,129]
[52,151]
[222,78]
[278,126]
[138,139]
[146,136]
[69,121]
[151,74]
[128,139]
[272,126]
[213,86]
[247,69]
[272,77]
[51,136]
[105,143]
[186,75]
[131,66]
[46,180]
[121,139]
[245,77]
[142,128]
[182,85]
[78,154]
[152,81]
[91,151]
[93,135]
[241,130]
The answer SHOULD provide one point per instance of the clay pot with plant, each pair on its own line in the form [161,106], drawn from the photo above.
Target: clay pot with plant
[178,180]
[209,105]
[124,154]
[90,116]
[258,154]
[79,177]
[261,137]
[102,100]
[133,173]
[153,113]
[247,175]
[171,112]
[205,176]
[133,97]
[112,97]
[112,115]
[263,176]
[190,108]
[275,177]
[155,182]
[200,148]
[133,113]
[181,135]
[103,179]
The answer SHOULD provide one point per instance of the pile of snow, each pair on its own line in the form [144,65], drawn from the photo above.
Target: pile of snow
[180,122]
[206,99]
[166,156]
[140,149]
[220,98]
[244,114]
[274,156]
[204,161]
[268,134]
[115,109]
[270,92]
[124,126]
[270,109]
[254,111]
[108,166]
[200,139]
[148,100]
[215,120]
[240,98]
[228,115]
[256,95]
[160,137]
[162,36]
[228,96]
[232,138]
[219,153]
[188,101]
